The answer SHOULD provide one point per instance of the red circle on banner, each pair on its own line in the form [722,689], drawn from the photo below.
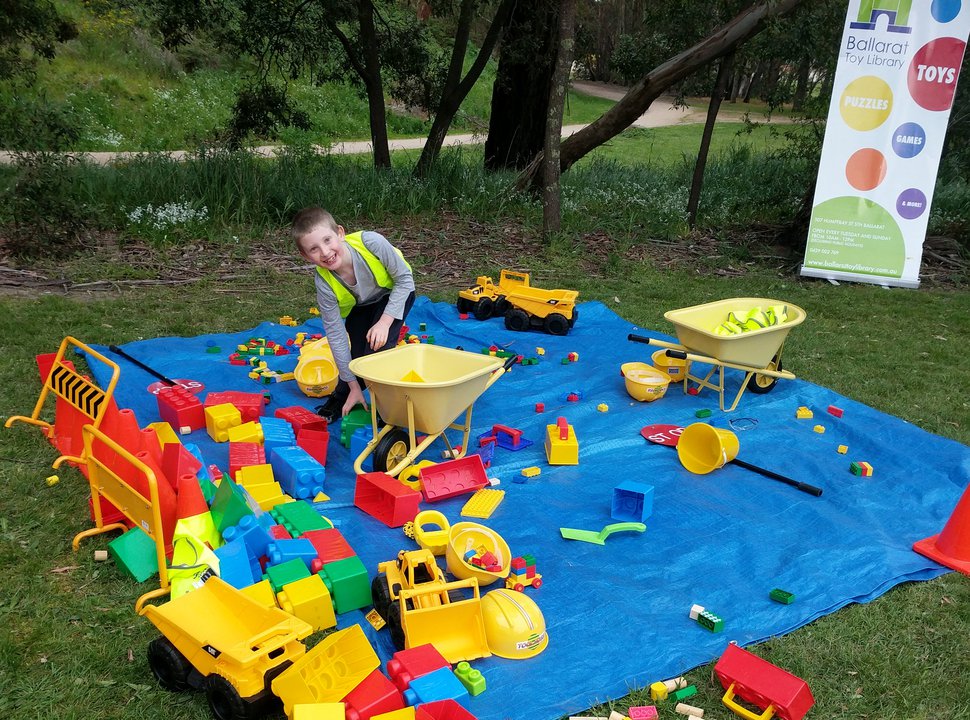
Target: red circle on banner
[193,386]
[934,71]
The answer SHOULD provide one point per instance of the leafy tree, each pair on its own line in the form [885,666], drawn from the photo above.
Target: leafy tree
[29,29]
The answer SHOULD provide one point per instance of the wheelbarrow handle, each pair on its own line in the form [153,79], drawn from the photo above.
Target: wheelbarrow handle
[638,338]
[509,362]
[804,487]
[134,361]
[671,352]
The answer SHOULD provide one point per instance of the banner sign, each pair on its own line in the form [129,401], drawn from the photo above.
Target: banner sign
[897,75]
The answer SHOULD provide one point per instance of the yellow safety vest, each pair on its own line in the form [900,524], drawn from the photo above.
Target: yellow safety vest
[346,299]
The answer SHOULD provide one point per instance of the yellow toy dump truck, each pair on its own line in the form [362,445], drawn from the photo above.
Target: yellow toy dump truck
[219,640]
[522,305]
[420,607]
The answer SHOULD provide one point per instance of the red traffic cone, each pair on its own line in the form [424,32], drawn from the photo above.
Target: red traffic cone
[191,501]
[952,546]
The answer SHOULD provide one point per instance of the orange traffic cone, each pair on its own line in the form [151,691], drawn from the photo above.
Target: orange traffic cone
[952,546]
[193,512]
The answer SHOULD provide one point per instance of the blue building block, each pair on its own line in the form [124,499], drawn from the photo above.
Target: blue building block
[281,551]
[632,501]
[236,564]
[277,432]
[438,685]
[358,441]
[297,472]
[251,532]
[203,472]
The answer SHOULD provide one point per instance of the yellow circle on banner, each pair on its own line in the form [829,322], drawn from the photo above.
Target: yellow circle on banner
[866,103]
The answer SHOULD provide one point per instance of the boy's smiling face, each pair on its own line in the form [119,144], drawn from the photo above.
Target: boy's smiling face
[324,247]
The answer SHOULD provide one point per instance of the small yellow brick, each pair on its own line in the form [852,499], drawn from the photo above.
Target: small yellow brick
[603,407]
[819,429]
[843,449]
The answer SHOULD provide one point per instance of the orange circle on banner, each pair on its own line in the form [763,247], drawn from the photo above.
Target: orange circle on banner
[865,169]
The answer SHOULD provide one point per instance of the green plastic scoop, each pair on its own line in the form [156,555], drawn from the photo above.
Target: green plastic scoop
[599,538]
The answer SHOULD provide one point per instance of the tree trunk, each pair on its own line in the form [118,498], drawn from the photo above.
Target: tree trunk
[551,210]
[693,201]
[802,77]
[749,23]
[520,94]
[456,88]
[374,85]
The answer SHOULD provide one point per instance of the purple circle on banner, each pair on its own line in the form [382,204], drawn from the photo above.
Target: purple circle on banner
[909,139]
[911,203]
[943,11]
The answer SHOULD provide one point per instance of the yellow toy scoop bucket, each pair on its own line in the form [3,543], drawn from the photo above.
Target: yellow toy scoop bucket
[702,448]
[316,371]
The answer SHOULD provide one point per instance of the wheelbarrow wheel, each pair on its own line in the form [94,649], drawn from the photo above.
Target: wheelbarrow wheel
[484,309]
[517,320]
[391,450]
[224,701]
[168,665]
[760,384]
[556,324]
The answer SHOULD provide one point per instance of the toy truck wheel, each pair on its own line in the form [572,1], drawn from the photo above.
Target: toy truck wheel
[391,450]
[574,318]
[501,306]
[537,583]
[464,305]
[556,324]
[483,309]
[381,594]
[224,701]
[760,384]
[394,622]
[518,587]
[517,320]
[168,665]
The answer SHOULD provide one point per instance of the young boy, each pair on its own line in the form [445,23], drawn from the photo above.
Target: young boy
[364,285]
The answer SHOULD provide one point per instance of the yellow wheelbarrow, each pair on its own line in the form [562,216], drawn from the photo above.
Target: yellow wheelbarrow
[421,389]
[757,353]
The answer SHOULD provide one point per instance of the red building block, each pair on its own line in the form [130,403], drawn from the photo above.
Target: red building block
[760,683]
[374,696]
[315,442]
[442,710]
[406,665]
[180,408]
[382,497]
[301,418]
[455,477]
[177,461]
[250,405]
[278,532]
[243,454]
[836,411]
[330,545]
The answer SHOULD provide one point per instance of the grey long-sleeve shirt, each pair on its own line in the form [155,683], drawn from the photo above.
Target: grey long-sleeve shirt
[366,291]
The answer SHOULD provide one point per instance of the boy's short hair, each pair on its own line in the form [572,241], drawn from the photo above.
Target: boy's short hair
[309,218]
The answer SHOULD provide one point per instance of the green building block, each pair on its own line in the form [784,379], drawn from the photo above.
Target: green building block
[472,679]
[703,413]
[710,621]
[682,694]
[208,490]
[290,571]
[298,517]
[134,554]
[782,596]
[356,418]
[214,349]
[348,584]
[229,505]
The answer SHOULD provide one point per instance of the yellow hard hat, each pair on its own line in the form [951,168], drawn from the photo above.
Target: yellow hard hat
[514,626]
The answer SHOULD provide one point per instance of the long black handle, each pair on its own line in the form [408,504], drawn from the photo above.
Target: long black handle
[139,363]
[804,487]
[638,338]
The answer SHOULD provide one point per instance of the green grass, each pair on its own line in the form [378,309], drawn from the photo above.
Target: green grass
[71,647]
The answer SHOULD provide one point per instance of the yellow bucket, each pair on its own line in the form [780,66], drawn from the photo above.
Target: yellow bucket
[702,448]
[316,372]
[643,382]
[675,368]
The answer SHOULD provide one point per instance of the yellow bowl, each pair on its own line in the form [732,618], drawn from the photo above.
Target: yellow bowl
[643,382]
[465,536]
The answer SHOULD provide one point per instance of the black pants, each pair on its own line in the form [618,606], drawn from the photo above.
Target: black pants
[361,319]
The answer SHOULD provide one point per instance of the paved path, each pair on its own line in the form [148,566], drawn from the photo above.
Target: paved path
[661,113]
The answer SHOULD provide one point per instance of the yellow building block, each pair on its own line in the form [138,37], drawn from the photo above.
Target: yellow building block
[483,503]
[842,449]
[405,713]
[165,433]
[803,413]
[320,711]
[219,418]
[531,472]
[246,432]
[267,495]
[561,452]
[261,592]
[309,599]
[658,691]
[252,475]
[819,429]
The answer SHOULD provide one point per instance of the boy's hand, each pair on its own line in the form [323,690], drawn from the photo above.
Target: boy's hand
[354,397]
[377,335]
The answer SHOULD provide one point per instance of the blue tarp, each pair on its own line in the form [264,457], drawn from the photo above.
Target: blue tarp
[617,615]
